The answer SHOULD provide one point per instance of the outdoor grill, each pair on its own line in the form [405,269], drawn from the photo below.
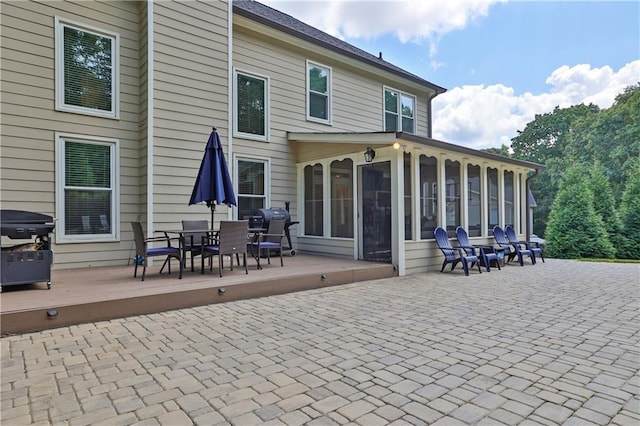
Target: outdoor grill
[268,214]
[30,262]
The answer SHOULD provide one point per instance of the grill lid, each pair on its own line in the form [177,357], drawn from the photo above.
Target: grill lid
[23,217]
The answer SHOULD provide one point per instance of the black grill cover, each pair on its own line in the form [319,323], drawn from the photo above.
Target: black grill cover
[24,224]
[268,214]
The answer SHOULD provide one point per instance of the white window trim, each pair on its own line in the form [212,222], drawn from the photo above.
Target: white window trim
[60,105]
[400,116]
[267,118]
[267,177]
[329,119]
[61,237]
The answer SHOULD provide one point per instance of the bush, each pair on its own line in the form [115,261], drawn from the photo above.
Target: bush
[574,229]
[605,205]
[630,215]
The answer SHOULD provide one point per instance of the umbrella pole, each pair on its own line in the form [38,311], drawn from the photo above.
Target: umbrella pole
[213,210]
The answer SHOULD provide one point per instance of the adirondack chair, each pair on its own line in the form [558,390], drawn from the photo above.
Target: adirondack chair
[454,255]
[486,253]
[512,250]
[535,247]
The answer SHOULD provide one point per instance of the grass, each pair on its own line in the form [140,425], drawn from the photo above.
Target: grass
[610,260]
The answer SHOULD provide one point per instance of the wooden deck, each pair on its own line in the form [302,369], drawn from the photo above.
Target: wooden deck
[80,296]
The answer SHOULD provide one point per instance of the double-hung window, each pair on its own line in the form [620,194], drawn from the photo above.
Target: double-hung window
[318,93]
[86,69]
[251,176]
[399,111]
[251,106]
[87,201]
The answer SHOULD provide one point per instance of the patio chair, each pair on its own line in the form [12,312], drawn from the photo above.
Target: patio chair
[230,239]
[144,252]
[192,241]
[535,247]
[454,255]
[271,240]
[511,250]
[487,253]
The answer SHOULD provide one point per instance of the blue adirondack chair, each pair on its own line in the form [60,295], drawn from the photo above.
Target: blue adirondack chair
[535,247]
[487,253]
[511,250]
[454,255]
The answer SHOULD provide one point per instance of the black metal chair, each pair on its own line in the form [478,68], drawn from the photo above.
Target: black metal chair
[487,253]
[271,240]
[229,240]
[511,250]
[144,252]
[535,247]
[454,255]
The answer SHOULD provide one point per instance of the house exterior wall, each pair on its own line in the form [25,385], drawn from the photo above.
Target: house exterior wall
[357,106]
[30,120]
[189,98]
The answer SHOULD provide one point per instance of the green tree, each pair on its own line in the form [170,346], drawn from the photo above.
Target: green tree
[630,214]
[545,140]
[575,230]
[503,150]
[605,204]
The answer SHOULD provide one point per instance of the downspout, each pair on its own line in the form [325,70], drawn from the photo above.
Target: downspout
[230,97]
[527,207]
[150,108]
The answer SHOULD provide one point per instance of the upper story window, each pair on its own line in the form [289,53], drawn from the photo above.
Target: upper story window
[399,111]
[318,93]
[87,203]
[251,100]
[86,69]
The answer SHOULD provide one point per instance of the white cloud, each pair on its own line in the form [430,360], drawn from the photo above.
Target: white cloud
[483,117]
[408,20]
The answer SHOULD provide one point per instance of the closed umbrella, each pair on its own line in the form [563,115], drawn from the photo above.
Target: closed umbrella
[213,183]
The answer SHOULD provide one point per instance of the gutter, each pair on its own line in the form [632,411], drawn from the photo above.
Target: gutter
[150,110]
[230,162]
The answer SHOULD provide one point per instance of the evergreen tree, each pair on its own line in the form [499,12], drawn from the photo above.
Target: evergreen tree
[630,214]
[574,229]
[605,204]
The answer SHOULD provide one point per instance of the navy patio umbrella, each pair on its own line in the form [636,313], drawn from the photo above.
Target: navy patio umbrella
[213,183]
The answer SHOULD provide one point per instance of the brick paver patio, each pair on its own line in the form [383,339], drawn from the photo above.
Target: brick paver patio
[554,343]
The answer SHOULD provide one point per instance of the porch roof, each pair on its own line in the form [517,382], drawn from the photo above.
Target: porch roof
[389,138]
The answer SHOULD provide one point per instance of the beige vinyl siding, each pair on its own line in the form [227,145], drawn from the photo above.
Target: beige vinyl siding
[317,245]
[29,121]
[190,97]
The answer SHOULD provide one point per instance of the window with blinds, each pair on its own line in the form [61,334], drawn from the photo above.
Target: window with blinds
[318,93]
[86,70]
[87,177]
[251,106]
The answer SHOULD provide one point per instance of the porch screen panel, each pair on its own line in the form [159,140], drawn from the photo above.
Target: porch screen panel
[474,197]
[408,202]
[509,199]
[342,198]
[428,196]
[492,181]
[452,187]
[313,202]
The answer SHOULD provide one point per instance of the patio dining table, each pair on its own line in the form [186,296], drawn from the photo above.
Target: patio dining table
[252,235]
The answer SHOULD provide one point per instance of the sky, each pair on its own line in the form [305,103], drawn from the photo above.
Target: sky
[502,62]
